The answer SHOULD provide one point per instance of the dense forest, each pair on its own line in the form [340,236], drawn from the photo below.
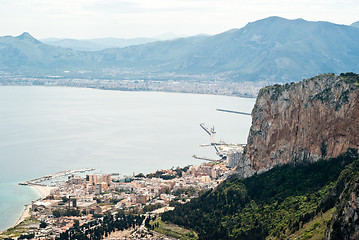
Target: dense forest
[273,204]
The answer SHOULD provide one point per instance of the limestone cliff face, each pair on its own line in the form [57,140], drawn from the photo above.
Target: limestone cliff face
[315,118]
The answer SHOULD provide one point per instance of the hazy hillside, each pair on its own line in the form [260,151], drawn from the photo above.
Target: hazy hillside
[273,49]
[24,54]
[356,24]
[96,44]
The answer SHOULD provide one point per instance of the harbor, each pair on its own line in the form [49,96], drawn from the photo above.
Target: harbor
[223,149]
[211,133]
[39,181]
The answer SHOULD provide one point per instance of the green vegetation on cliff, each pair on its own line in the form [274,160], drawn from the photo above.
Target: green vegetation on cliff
[350,78]
[277,89]
[274,204]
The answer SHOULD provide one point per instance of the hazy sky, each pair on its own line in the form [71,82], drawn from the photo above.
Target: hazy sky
[135,18]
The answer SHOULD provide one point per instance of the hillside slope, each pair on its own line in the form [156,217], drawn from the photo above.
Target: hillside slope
[25,54]
[274,204]
[355,24]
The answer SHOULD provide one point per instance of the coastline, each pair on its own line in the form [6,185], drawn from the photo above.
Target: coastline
[145,164]
[24,215]
[43,191]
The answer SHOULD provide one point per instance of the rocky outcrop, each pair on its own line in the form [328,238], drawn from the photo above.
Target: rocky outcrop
[306,121]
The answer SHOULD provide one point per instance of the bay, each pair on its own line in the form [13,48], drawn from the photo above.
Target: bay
[44,130]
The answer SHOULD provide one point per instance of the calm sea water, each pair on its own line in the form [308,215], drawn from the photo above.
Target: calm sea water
[44,130]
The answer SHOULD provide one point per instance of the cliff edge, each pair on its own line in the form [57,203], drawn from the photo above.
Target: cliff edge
[306,121]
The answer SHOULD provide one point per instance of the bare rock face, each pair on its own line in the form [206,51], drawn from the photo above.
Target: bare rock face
[313,119]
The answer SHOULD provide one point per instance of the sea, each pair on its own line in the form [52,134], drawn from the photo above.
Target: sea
[44,130]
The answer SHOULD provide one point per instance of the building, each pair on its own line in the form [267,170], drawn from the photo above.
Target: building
[104,186]
[93,179]
[98,189]
[107,179]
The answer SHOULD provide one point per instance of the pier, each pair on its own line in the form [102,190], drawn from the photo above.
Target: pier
[38,181]
[211,133]
[222,148]
[207,159]
[230,111]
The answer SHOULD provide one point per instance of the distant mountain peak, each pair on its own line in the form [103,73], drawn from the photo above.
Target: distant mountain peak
[274,19]
[27,36]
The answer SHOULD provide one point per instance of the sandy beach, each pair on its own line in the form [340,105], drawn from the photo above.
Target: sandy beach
[44,191]
[25,214]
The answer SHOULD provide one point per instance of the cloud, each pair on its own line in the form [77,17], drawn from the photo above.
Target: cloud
[129,18]
[143,6]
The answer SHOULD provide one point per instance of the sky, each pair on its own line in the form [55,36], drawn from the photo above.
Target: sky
[83,19]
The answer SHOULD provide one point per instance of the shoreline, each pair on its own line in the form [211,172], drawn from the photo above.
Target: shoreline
[43,191]
[250,96]
[24,215]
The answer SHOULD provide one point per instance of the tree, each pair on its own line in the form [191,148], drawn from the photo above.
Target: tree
[56,213]
[43,224]
[140,175]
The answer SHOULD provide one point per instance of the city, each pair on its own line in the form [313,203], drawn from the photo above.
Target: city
[165,82]
[82,200]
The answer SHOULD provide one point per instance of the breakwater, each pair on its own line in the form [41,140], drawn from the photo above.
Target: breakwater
[231,111]
[38,181]
[207,159]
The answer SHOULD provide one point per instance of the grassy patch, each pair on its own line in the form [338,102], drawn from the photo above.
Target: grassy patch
[20,229]
[314,229]
[173,230]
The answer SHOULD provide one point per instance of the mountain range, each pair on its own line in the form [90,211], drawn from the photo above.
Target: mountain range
[98,44]
[272,49]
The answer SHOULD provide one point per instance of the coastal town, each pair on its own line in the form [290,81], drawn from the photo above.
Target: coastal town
[86,200]
[82,204]
[167,82]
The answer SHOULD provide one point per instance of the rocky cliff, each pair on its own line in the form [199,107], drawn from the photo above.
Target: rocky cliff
[306,121]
